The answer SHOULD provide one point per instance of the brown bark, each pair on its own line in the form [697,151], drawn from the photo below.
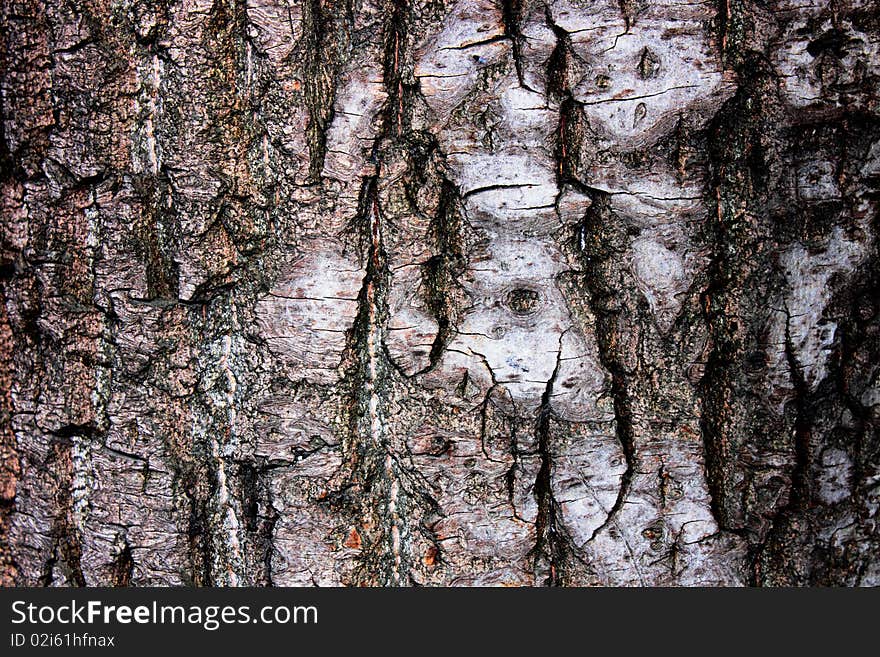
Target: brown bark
[474,292]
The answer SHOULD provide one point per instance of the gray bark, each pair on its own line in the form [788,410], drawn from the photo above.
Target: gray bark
[440,293]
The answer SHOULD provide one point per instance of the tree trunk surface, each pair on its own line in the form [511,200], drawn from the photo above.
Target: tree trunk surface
[426,292]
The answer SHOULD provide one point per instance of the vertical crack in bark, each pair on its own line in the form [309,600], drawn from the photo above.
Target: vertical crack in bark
[597,237]
[723,24]
[375,466]
[557,64]
[732,234]
[623,424]
[201,553]
[515,464]
[260,517]
[763,555]
[732,31]
[596,249]
[715,406]
[549,545]
[801,488]
[326,36]
[441,272]
[628,10]
[573,126]
[375,469]
[511,13]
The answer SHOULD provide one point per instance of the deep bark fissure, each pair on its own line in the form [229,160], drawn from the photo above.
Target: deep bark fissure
[596,251]
[326,39]
[549,544]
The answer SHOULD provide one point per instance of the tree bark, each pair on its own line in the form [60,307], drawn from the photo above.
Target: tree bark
[414,292]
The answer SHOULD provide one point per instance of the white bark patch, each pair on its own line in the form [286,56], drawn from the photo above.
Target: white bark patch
[517,316]
[585,481]
[411,330]
[661,277]
[446,64]
[578,391]
[835,469]
[306,315]
[511,333]
[530,113]
[800,84]
[516,169]
[274,27]
[630,93]
[829,73]
[808,275]
[352,130]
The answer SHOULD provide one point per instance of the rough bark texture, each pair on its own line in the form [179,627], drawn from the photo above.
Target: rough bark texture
[443,293]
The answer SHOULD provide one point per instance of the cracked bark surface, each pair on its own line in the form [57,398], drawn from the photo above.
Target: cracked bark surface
[405,292]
